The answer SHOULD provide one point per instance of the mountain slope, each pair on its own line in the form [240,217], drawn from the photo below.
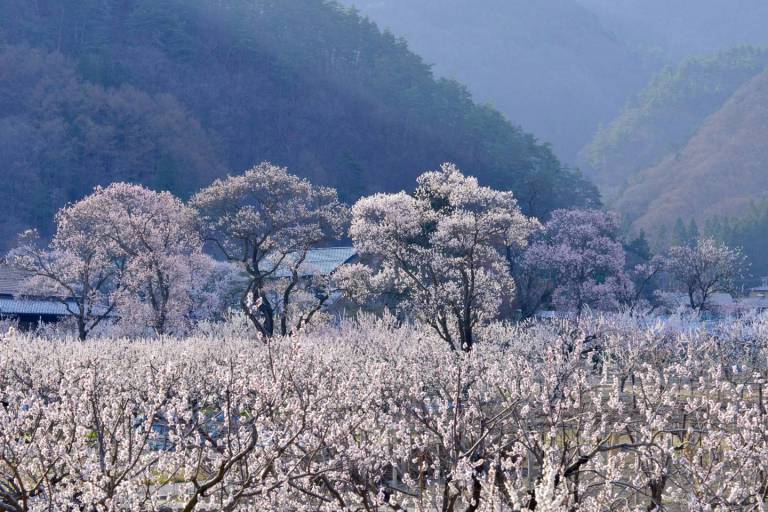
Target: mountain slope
[720,170]
[547,64]
[60,135]
[302,83]
[665,115]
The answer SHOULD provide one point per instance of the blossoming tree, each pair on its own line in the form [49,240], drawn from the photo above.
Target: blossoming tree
[74,270]
[444,248]
[704,268]
[267,220]
[579,257]
[155,236]
[126,251]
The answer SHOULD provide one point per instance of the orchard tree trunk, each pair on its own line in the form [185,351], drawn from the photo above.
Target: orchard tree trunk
[82,332]
[259,310]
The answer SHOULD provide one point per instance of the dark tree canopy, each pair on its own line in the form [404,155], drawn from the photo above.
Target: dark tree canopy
[172,93]
[60,136]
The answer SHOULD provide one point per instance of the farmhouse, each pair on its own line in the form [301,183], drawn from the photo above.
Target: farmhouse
[760,292]
[28,311]
[316,270]
[320,262]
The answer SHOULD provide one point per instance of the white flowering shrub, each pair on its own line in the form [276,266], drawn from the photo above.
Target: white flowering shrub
[603,413]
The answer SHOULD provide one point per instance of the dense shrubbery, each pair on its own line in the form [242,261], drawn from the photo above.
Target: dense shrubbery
[603,414]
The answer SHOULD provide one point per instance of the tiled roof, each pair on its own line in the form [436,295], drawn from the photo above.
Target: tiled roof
[12,302]
[10,307]
[11,279]
[323,261]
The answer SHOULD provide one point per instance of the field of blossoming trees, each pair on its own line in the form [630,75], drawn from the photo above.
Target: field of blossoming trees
[235,276]
[416,378]
[603,413]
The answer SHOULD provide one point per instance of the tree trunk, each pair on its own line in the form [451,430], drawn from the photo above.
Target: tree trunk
[82,332]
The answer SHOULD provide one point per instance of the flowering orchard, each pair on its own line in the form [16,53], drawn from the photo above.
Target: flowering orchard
[615,413]
[453,255]
[445,408]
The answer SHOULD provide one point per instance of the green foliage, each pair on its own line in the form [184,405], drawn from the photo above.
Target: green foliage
[302,83]
[638,249]
[668,112]
[748,232]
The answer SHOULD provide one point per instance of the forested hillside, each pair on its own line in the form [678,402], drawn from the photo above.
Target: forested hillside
[720,170]
[664,116]
[746,232]
[548,64]
[173,93]
[61,135]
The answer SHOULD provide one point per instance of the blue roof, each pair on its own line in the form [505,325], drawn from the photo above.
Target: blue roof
[319,262]
[12,303]
[36,307]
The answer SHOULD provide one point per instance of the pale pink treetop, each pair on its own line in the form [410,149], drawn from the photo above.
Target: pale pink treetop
[579,253]
[267,219]
[129,251]
[444,247]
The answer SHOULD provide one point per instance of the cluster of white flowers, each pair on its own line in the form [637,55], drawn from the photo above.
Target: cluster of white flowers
[129,252]
[602,413]
[266,221]
[444,249]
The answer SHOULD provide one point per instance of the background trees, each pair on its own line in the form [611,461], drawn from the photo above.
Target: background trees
[746,233]
[267,220]
[445,247]
[124,251]
[577,261]
[60,136]
[171,94]
[704,269]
